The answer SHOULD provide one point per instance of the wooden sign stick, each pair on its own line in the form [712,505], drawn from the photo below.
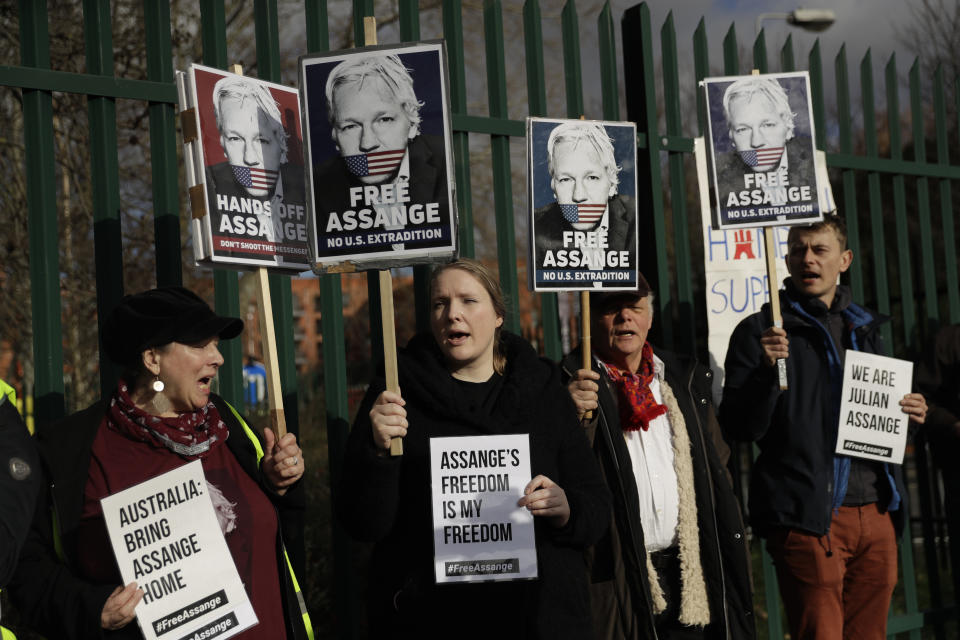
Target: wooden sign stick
[585,336]
[585,347]
[270,361]
[769,249]
[386,291]
[268,340]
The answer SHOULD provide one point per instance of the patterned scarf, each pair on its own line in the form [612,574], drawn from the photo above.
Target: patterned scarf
[637,405]
[191,435]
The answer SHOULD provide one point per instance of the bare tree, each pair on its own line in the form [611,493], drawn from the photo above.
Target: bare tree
[934,36]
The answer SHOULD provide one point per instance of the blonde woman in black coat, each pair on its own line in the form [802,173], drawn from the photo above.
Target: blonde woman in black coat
[466,378]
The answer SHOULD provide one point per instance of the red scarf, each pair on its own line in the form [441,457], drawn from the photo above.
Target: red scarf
[191,435]
[637,405]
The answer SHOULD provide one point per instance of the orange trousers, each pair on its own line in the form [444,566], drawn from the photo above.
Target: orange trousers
[838,586]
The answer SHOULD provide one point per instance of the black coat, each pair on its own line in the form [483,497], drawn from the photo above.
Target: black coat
[388,500]
[20,481]
[620,589]
[938,378]
[792,484]
[49,593]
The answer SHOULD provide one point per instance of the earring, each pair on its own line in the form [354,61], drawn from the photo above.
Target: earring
[157,384]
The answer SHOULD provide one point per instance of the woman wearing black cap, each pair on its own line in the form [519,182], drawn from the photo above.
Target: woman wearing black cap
[161,416]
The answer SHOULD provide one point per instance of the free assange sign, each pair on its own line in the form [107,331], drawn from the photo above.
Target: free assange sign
[480,534]
[165,536]
[872,423]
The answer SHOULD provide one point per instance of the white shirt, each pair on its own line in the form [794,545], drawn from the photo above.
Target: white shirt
[651,456]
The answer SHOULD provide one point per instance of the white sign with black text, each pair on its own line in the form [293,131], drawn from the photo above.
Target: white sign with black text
[872,423]
[165,536]
[479,531]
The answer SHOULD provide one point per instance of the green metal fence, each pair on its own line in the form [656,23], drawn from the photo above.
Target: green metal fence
[910,270]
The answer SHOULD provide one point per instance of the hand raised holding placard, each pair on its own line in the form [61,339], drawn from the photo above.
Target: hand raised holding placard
[775,345]
[388,419]
[283,465]
[583,391]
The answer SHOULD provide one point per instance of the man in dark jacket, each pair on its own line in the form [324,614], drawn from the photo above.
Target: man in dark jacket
[674,563]
[829,520]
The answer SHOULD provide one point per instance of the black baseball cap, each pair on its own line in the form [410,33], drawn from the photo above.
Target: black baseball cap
[160,316]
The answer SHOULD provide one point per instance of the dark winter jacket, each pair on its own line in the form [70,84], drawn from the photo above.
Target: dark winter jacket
[796,480]
[20,482]
[620,591]
[387,500]
[49,593]
[938,379]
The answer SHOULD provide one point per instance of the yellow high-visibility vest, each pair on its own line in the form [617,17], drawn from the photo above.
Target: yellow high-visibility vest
[7,394]
[58,547]
[10,393]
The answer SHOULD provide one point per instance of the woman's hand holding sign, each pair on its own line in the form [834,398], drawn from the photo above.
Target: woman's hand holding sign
[388,419]
[284,465]
[544,497]
[118,609]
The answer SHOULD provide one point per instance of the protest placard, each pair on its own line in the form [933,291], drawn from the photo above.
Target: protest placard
[378,148]
[479,531]
[736,284]
[244,157]
[761,138]
[872,423]
[165,536]
[582,176]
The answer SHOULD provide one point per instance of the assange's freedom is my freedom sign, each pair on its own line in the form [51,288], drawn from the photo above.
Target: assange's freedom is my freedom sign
[479,531]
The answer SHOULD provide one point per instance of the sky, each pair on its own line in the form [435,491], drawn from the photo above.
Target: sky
[861,24]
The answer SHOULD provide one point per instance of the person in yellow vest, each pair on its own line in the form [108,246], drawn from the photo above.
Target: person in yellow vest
[161,415]
[20,480]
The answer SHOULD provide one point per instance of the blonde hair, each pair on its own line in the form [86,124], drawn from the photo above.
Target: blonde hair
[491,284]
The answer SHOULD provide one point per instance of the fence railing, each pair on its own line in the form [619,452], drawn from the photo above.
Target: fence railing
[908,269]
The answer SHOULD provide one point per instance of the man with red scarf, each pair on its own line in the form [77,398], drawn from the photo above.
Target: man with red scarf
[674,563]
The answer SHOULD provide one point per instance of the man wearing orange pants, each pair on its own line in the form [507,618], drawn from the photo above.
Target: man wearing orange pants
[830,521]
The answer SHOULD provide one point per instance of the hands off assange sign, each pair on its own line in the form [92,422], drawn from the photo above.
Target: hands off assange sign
[872,423]
[479,531]
[165,536]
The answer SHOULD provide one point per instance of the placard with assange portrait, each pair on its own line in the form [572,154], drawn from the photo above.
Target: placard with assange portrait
[378,145]
[582,177]
[245,170]
[762,153]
